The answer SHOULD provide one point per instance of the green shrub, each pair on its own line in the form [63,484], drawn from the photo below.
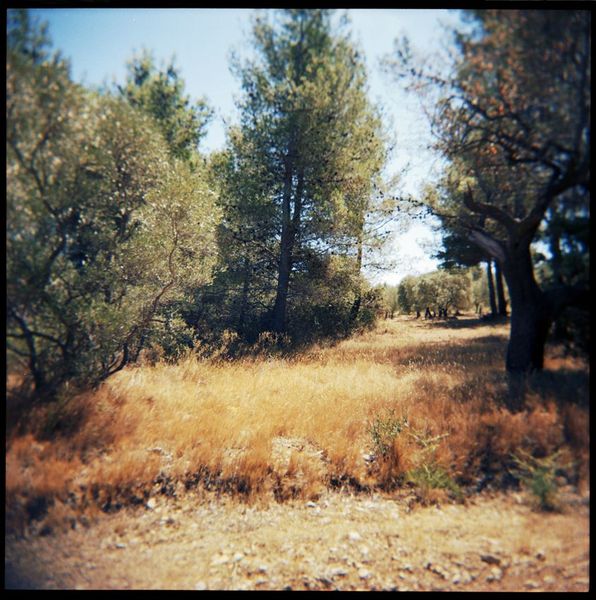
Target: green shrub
[432,476]
[538,475]
[384,429]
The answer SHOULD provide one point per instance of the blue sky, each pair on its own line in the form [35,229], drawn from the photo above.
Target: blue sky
[100,41]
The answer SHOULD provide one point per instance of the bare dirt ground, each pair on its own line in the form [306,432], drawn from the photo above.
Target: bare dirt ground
[495,542]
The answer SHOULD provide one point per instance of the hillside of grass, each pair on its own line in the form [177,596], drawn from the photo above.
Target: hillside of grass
[413,404]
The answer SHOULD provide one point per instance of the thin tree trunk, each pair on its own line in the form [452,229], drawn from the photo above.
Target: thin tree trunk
[491,288]
[358,300]
[244,298]
[39,381]
[502,303]
[278,319]
[290,227]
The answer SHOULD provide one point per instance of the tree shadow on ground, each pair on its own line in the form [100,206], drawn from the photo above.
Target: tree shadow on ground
[16,579]
[488,351]
[467,322]
[483,360]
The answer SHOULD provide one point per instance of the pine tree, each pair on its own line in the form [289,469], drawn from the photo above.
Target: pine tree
[309,148]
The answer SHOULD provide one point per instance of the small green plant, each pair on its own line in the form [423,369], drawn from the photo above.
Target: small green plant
[384,429]
[538,475]
[432,476]
[429,474]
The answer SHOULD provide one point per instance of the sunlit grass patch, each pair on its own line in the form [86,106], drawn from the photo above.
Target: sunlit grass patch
[278,428]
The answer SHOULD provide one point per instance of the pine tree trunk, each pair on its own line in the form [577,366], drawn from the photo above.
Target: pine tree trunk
[358,300]
[290,228]
[240,326]
[278,320]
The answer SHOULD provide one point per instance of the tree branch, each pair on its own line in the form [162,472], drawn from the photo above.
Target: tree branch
[489,210]
[489,244]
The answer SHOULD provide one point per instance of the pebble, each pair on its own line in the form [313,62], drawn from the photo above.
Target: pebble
[436,569]
[530,584]
[364,574]
[200,586]
[338,572]
[354,536]
[238,557]
[467,577]
[495,574]
[151,503]
[490,559]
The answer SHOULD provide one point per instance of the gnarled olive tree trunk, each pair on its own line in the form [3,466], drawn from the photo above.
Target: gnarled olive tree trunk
[531,315]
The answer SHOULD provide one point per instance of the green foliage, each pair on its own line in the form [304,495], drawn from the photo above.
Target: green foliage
[102,227]
[384,429]
[431,476]
[390,299]
[330,300]
[539,476]
[428,474]
[296,178]
[513,121]
[406,294]
[26,38]
[447,290]
[160,94]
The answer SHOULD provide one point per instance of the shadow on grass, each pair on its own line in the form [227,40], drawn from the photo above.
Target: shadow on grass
[468,322]
[488,351]
[15,580]
[483,362]
[567,386]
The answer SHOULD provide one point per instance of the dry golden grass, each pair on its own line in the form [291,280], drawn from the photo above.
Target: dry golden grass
[284,427]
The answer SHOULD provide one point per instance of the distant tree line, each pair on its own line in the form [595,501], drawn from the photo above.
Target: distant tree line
[439,294]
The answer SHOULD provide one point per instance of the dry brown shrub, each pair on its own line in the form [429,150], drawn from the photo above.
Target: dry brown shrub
[230,423]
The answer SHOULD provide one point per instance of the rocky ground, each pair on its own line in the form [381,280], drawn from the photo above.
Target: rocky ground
[495,542]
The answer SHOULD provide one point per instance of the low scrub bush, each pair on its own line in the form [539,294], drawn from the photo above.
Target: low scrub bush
[539,477]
